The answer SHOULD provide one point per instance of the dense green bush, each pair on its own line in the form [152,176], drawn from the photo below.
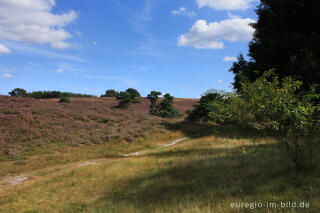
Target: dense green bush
[125,100]
[200,112]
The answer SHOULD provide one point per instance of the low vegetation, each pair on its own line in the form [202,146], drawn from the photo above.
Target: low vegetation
[18,92]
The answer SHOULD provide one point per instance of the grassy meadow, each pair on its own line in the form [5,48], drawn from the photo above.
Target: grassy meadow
[207,172]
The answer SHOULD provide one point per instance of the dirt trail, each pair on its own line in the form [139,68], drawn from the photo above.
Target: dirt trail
[8,182]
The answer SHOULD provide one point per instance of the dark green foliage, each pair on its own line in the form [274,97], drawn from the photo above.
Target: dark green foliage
[200,112]
[133,92]
[287,38]
[110,93]
[18,92]
[166,109]
[64,100]
[153,97]
[54,94]
[125,99]
[44,94]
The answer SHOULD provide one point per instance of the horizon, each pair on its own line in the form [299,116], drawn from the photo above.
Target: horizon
[181,48]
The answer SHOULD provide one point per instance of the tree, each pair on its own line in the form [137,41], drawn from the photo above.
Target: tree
[287,38]
[153,97]
[110,93]
[166,107]
[18,92]
[133,92]
[200,112]
[125,100]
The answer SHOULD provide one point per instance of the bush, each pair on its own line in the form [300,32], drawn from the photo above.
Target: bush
[200,112]
[133,92]
[64,100]
[293,116]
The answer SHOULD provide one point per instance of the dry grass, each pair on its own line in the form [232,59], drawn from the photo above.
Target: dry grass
[202,175]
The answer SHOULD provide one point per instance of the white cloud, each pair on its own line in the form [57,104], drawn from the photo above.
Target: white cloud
[225,4]
[203,35]
[59,70]
[32,21]
[230,59]
[4,49]
[184,11]
[7,75]
[220,81]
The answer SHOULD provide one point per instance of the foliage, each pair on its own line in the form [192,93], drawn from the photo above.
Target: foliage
[201,111]
[18,92]
[287,38]
[64,100]
[125,99]
[293,116]
[133,92]
[110,93]
[166,108]
[153,97]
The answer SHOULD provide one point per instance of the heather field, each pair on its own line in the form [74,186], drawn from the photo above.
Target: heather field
[30,126]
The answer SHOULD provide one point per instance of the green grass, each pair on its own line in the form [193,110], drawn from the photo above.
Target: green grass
[205,174]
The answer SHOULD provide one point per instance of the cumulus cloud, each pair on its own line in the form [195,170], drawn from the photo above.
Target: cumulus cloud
[184,11]
[32,21]
[225,4]
[7,75]
[220,81]
[230,59]
[203,35]
[4,49]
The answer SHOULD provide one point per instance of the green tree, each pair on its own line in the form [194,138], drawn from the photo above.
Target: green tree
[200,112]
[133,92]
[125,100]
[153,97]
[18,92]
[110,93]
[287,38]
[166,107]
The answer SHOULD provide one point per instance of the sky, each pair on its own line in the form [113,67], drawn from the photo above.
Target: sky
[181,47]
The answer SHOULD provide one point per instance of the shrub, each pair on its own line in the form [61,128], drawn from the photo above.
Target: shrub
[292,116]
[64,100]
[200,112]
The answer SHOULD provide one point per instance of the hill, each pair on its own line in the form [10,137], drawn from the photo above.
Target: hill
[28,125]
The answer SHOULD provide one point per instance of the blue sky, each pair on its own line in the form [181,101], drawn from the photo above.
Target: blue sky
[183,47]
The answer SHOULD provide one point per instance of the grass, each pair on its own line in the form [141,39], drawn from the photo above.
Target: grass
[205,174]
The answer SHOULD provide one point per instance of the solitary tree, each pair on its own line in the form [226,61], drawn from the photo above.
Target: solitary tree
[18,92]
[111,93]
[125,100]
[153,97]
[166,107]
